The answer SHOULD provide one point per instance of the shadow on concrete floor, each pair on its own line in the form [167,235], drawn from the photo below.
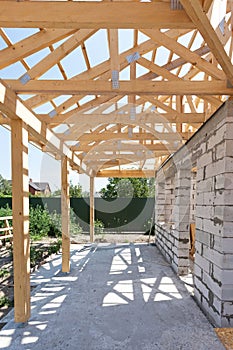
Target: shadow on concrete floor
[115,297]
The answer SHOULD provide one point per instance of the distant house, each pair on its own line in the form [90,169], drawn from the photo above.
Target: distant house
[39,188]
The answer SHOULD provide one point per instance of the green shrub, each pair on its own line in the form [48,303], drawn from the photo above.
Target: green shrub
[99,227]
[43,224]
[5,211]
[40,222]
[5,301]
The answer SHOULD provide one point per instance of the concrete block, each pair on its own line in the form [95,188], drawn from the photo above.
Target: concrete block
[205,159]
[212,313]
[203,237]
[206,185]
[197,271]
[215,168]
[201,287]
[199,223]
[228,309]
[202,262]
[220,150]
[217,137]
[224,276]
[214,226]
[204,211]
[228,229]
[224,197]
[200,172]
[223,244]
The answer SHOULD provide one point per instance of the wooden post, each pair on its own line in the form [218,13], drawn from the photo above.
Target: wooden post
[20,206]
[92,209]
[65,211]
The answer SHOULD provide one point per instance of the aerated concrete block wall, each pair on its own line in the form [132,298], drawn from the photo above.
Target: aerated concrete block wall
[173,215]
[214,221]
[210,151]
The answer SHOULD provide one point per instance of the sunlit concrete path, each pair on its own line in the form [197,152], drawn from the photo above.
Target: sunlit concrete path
[116,297]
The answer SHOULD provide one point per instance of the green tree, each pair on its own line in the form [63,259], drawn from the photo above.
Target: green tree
[5,187]
[128,187]
[75,191]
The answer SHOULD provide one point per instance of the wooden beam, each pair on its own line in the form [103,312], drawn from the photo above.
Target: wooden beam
[113,146]
[91,15]
[92,209]
[107,135]
[126,87]
[59,53]
[185,53]
[198,16]
[13,108]
[20,206]
[32,44]
[65,213]
[126,173]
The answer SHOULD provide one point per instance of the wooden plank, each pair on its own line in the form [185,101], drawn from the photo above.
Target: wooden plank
[15,109]
[30,45]
[138,87]
[107,135]
[65,212]
[198,16]
[185,53]
[59,53]
[126,173]
[92,209]
[20,209]
[90,14]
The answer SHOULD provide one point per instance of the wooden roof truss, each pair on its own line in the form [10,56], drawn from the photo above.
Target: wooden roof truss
[121,113]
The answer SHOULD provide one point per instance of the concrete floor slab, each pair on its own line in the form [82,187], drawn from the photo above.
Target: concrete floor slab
[115,297]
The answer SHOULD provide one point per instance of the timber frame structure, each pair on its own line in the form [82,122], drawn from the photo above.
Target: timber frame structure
[122,116]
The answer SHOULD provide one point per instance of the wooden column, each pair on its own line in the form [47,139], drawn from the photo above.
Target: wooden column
[20,206]
[65,211]
[92,209]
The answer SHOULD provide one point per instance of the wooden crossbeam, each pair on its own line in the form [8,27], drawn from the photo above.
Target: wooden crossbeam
[89,14]
[30,45]
[15,109]
[59,53]
[111,146]
[185,53]
[104,136]
[125,173]
[126,87]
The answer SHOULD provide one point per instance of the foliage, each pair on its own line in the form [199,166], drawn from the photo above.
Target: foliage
[5,211]
[75,191]
[4,273]
[43,223]
[5,301]
[128,187]
[98,227]
[39,253]
[5,188]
